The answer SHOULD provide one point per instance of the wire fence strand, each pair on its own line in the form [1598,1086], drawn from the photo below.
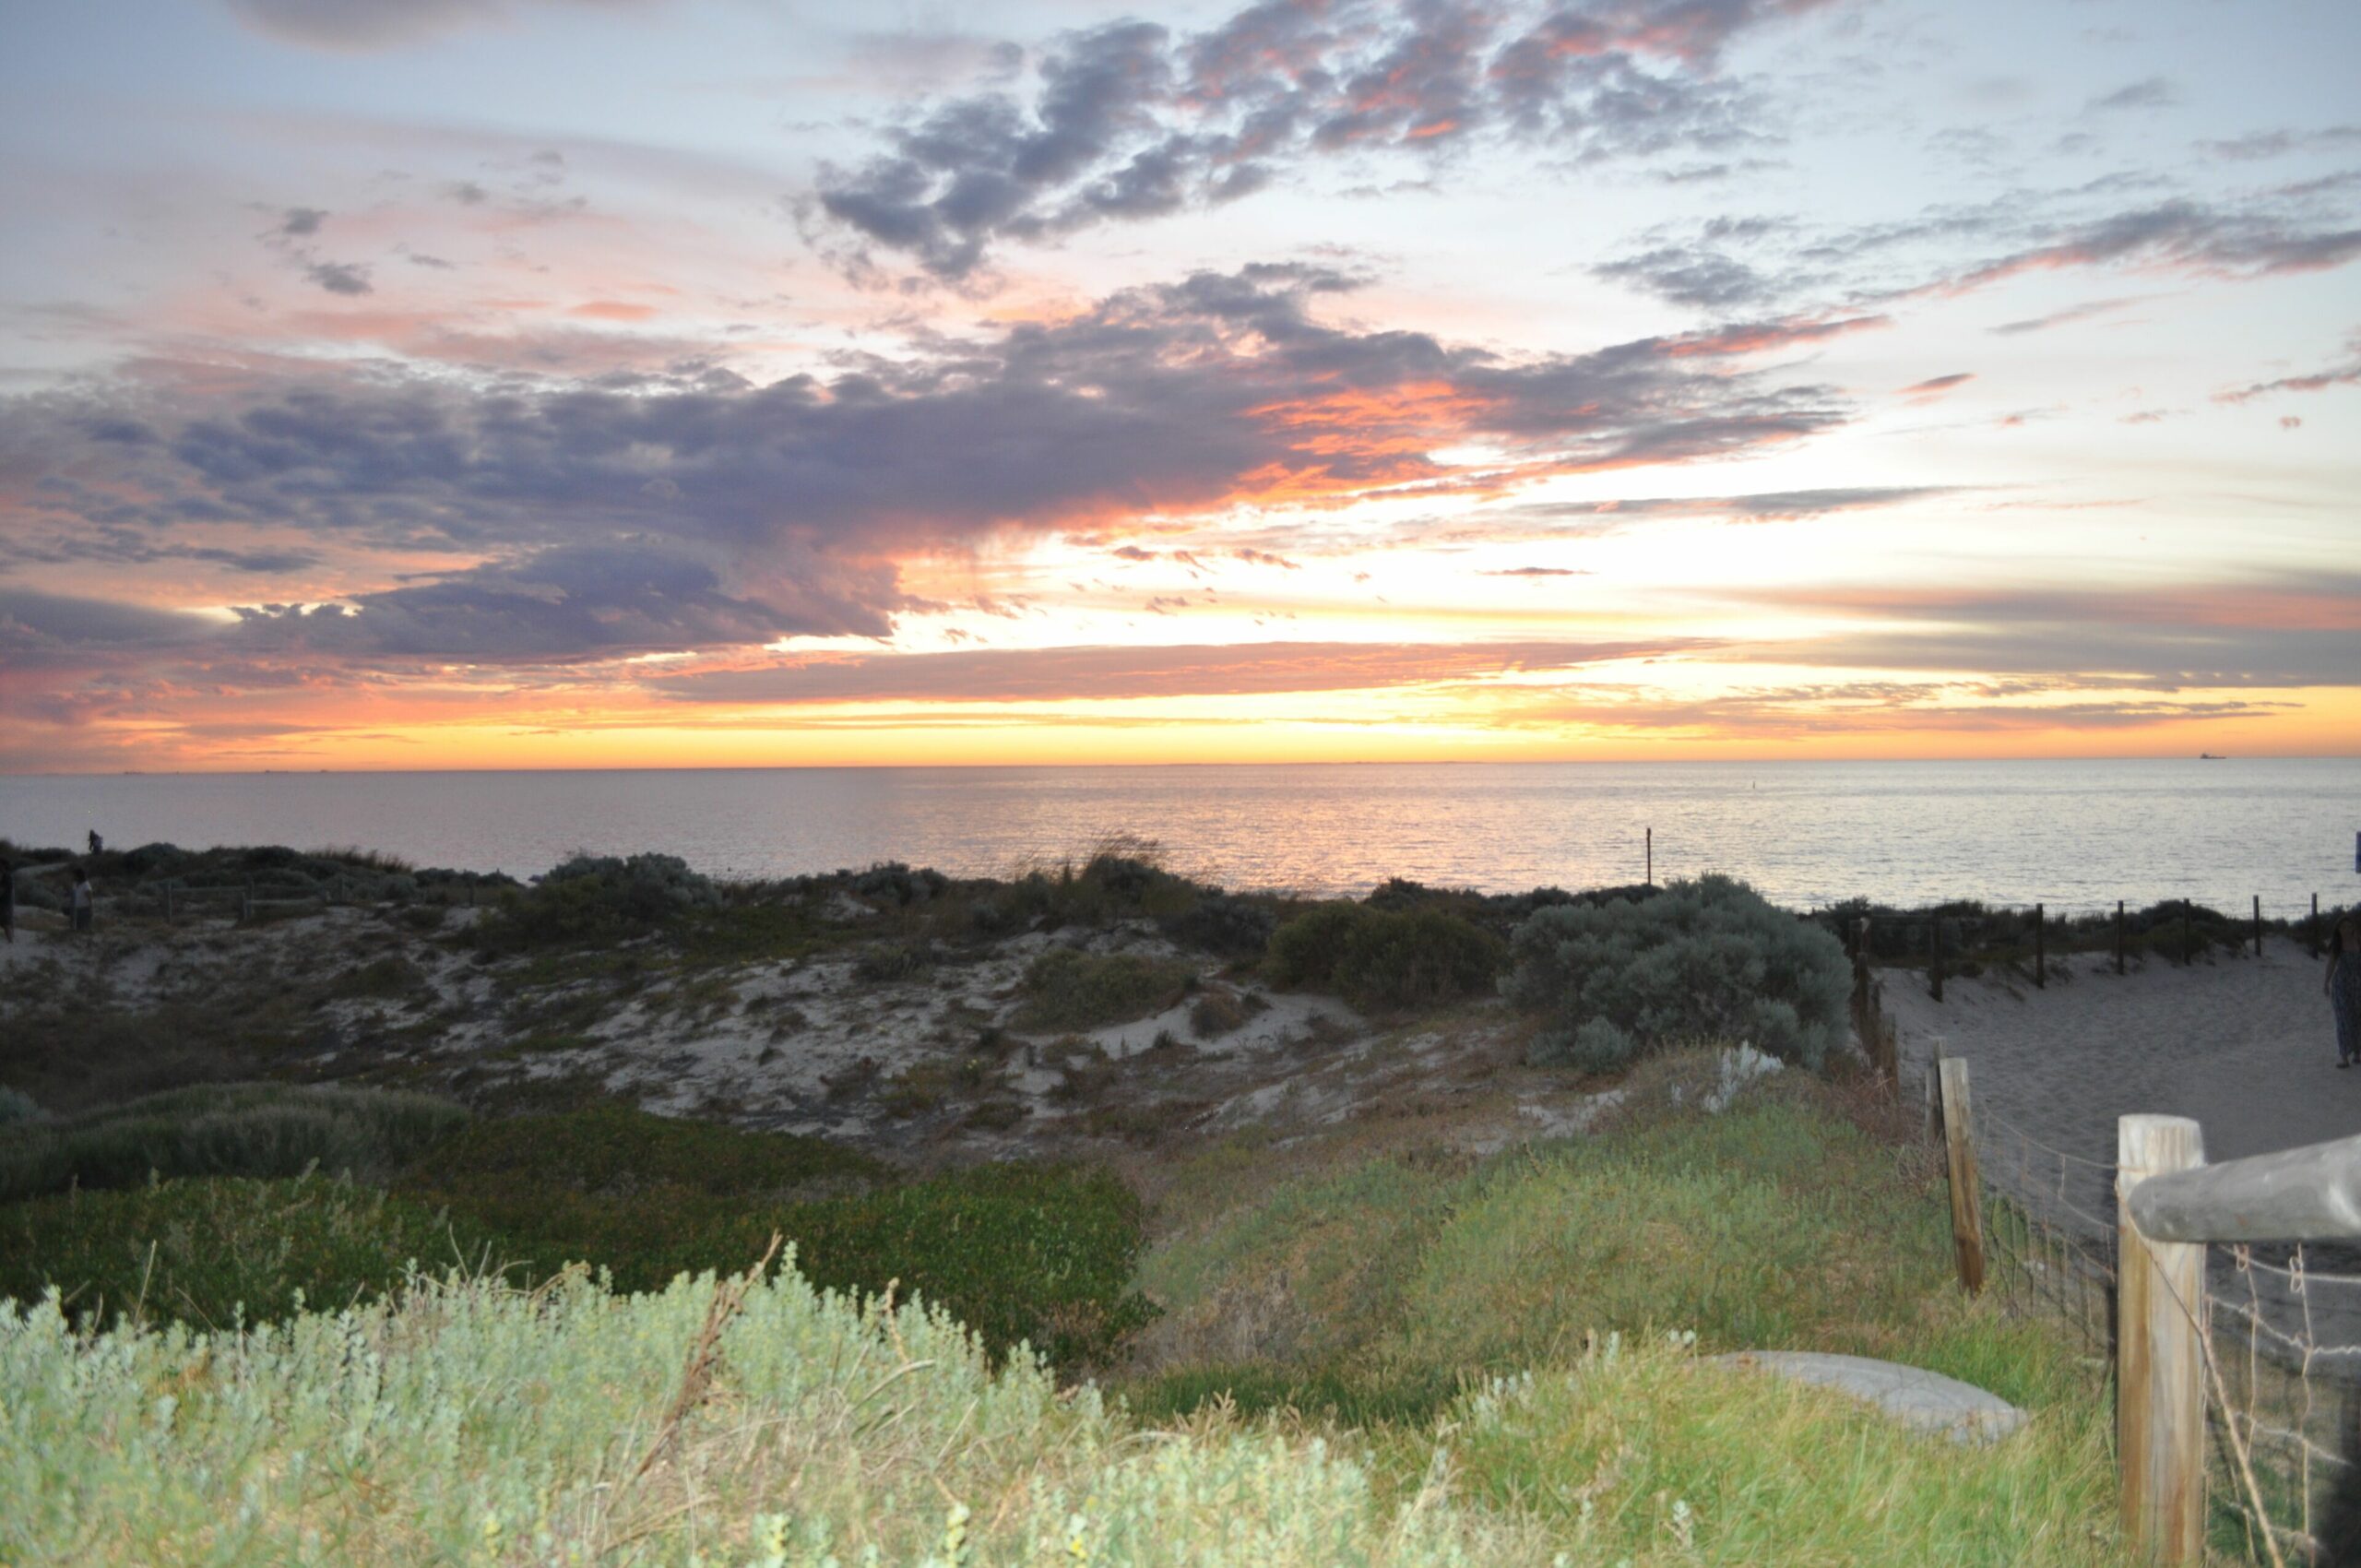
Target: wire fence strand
[2282,1328]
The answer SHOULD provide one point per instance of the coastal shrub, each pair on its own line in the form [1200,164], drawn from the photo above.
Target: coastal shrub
[597,898]
[259,1129]
[1224,924]
[211,1250]
[1385,959]
[17,1106]
[1219,1010]
[1068,989]
[474,1423]
[1703,960]
[894,883]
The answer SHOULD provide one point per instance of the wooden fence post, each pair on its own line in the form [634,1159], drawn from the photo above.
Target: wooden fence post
[2160,1368]
[2040,946]
[2118,936]
[1959,1143]
[1935,1093]
[2257,925]
[1935,955]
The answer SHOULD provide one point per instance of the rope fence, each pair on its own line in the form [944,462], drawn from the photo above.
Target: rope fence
[2278,1329]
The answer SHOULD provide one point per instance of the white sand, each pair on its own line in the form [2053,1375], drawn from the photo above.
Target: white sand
[2245,1045]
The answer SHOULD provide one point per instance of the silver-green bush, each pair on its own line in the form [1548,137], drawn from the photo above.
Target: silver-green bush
[476,1424]
[1703,960]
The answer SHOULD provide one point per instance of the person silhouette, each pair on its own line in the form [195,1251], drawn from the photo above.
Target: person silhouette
[2343,985]
[98,845]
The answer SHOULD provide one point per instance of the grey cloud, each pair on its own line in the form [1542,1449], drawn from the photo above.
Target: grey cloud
[2258,145]
[357,24]
[302,221]
[2346,374]
[569,603]
[1128,122]
[44,627]
[1538,572]
[1777,506]
[1119,672]
[339,277]
[1699,277]
[1852,706]
[657,512]
[2153,92]
[2267,631]
[2253,235]
[1165,397]
[2084,311]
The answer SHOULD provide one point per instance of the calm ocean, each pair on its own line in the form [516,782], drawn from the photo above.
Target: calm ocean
[2075,834]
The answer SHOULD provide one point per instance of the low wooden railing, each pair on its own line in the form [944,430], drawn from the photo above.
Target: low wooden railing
[2170,1206]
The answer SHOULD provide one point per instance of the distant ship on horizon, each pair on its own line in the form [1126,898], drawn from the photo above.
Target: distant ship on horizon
[2209,757]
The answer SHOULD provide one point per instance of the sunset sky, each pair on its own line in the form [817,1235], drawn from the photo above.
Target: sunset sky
[592,382]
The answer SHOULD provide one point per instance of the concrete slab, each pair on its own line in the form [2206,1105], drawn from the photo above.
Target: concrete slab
[1921,1400]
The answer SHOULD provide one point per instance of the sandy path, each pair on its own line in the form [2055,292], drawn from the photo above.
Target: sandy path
[2245,1045]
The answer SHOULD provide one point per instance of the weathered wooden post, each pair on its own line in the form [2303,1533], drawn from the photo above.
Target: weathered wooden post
[1935,955]
[2118,936]
[2160,1369]
[1935,1093]
[2040,946]
[2257,925]
[1959,1147]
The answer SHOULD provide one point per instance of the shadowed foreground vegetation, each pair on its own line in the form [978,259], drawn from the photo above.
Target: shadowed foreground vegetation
[1022,1253]
[1415,1358]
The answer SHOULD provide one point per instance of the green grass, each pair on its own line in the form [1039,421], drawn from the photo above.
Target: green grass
[1069,990]
[1022,1253]
[1647,1456]
[614,1150]
[1369,1296]
[226,1130]
[217,1251]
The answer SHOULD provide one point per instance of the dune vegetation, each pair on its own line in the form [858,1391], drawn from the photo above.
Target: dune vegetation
[262,1321]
